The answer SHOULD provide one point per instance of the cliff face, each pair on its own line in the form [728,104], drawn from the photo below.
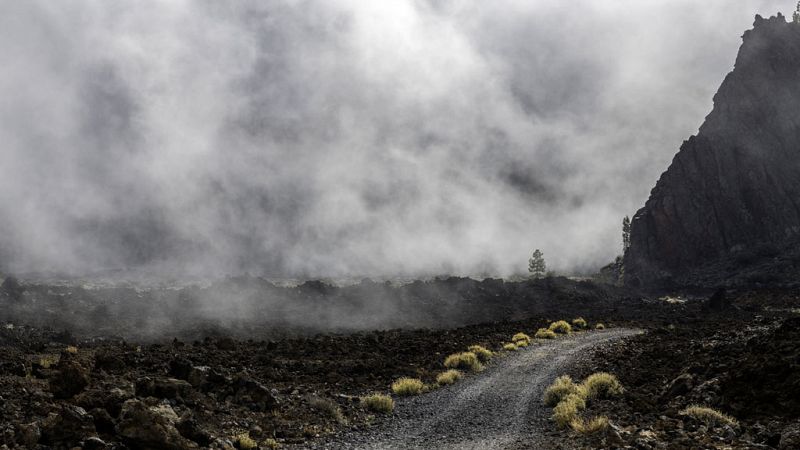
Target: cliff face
[733,188]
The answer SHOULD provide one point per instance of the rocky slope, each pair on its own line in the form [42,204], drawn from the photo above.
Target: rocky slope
[731,197]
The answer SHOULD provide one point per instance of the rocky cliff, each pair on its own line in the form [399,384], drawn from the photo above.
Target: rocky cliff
[730,200]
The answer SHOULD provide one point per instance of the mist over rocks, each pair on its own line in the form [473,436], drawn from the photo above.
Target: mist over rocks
[727,210]
[327,138]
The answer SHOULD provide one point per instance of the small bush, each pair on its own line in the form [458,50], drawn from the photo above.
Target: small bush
[449,377]
[579,323]
[601,384]
[327,407]
[481,352]
[378,403]
[567,410]
[544,333]
[48,361]
[72,350]
[521,337]
[271,443]
[510,347]
[561,327]
[559,390]
[591,426]
[463,361]
[408,386]
[245,442]
[708,416]
[522,344]
[599,326]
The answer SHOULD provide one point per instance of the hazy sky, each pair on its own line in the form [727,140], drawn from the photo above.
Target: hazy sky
[327,138]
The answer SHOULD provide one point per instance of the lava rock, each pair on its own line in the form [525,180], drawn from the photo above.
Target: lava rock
[67,427]
[143,426]
[69,379]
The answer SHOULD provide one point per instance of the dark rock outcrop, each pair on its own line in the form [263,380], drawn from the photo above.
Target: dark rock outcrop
[731,197]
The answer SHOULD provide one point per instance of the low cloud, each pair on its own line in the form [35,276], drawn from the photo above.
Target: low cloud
[334,138]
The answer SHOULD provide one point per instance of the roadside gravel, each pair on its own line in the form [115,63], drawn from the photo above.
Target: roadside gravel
[500,408]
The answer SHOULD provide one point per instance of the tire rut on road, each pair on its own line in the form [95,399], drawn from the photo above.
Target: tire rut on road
[500,408]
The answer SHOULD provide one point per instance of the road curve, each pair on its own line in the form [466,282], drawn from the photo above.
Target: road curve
[500,408]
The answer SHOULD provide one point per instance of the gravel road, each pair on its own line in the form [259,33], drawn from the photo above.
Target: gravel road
[500,408]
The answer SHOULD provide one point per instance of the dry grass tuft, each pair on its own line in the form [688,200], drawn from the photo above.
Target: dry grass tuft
[72,350]
[559,390]
[271,444]
[544,333]
[601,384]
[592,426]
[510,347]
[521,337]
[483,353]
[567,410]
[599,326]
[245,442]
[561,327]
[463,361]
[48,361]
[449,377]
[710,417]
[408,386]
[378,403]
[327,407]
[579,323]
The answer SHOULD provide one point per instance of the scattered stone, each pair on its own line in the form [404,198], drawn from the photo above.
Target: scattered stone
[69,379]
[143,426]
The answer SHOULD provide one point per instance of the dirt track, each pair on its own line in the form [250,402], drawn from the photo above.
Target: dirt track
[500,408]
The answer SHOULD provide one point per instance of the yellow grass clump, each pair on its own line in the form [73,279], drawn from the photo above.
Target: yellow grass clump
[271,444]
[71,350]
[561,327]
[408,386]
[599,326]
[510,346]
[245,442]
[559,390]
[521,337]
[710,417]
[463,361]
[481,352]
[544,333]
[378,403]
[567,410]
[601,384]
[592,426]
[579,323]
[448,377]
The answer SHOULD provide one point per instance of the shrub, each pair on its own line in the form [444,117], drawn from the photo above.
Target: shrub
[561,327]
[510,347]
[328,407]
[599,326]
[245,442]
[71,350]
[271,443]
[592,426]
[544,333]
[481,352]
[378,403]
[463,361]
[521,337]
[448,377]
[408,386]
[521,344]
[567,410]
[708,416]
[579,323]
[559,390]
[601,384]
[48,361]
